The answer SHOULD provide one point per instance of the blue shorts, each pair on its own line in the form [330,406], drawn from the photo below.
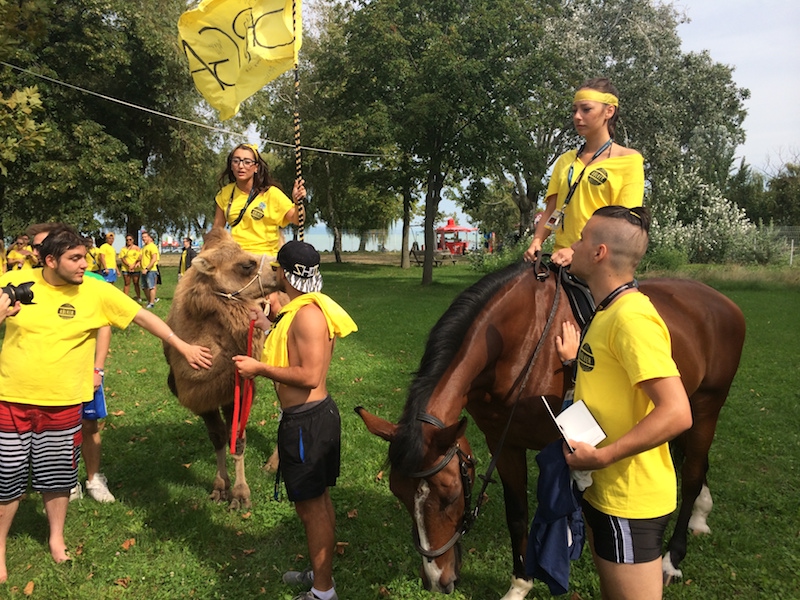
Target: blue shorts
[149,279]
[95,409]
[625,541]
[110,275]
[44,443]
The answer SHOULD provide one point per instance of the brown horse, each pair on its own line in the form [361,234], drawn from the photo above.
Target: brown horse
[493,353]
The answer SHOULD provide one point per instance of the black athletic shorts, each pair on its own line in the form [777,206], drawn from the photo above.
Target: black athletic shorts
[627,541]
[309,443]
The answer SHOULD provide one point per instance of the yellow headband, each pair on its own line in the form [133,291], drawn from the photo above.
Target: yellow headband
[595,96]
[252,147]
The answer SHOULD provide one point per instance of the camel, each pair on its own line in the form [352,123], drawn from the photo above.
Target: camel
[211,308]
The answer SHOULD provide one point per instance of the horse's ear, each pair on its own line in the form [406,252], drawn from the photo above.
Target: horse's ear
[376,426]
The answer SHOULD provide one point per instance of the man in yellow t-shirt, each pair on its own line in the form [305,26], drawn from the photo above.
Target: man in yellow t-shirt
[109,259]
[628,380]
[46,374]
[150,257]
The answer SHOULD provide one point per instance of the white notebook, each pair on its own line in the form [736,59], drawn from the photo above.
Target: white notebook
[577,423]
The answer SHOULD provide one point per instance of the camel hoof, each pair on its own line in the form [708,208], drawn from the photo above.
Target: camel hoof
[669,572]
[218,496]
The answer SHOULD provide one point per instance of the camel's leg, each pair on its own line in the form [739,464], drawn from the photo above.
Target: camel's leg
[240,494]
[217,433]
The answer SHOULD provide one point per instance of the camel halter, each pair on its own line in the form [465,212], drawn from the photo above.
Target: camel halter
[242,397]
[256,277]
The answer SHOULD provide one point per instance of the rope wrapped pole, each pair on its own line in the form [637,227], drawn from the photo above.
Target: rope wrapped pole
[298,161]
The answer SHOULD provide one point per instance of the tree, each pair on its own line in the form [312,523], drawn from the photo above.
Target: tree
[783,197]
[129,51]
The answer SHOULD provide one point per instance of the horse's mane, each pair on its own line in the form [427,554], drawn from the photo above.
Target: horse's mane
[444,341]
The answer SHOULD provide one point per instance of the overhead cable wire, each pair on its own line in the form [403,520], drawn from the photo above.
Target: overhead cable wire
[181,119]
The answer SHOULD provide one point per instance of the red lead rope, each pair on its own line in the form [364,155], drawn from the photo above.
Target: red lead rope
[242,398]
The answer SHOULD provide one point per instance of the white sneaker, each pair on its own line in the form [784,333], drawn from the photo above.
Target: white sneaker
[151,305]
[76,493]
[97,488]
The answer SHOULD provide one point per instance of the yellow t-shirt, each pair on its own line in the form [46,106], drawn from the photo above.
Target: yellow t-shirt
[259,230]
[110,255]
[128,257]
[276,350]
[624,345]
[148,252]
[48,351]
[92,262]
[617,181]
[27,259]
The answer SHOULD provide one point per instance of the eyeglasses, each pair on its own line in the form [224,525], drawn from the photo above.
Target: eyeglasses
[247,162]
[36,247]
[128,239]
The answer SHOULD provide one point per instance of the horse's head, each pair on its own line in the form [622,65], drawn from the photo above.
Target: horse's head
[436,492]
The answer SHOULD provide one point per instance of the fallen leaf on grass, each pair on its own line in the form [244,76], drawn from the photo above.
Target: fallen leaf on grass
[384,592]
[113,394]
[118,413]
[127,544]
[247,515]
[187,465]
[249,551]
[142,371]
[379,476]
[123,582]
[28,588]
[358,380]
[340,546]
[352,514]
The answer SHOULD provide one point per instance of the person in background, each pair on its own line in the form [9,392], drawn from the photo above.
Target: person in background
[40,401]
[149,261]
[252,204]
[187,256]
[130,257]
[93,256]
[3,257]
[599,173]
[297,356]
[627,378]
[109,259]
[20,256]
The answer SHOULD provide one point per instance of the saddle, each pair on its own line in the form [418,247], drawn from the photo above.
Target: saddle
[580,298]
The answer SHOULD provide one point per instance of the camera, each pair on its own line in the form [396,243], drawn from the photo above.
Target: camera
[22,292]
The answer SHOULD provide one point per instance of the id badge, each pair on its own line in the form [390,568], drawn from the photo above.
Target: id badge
[555,220]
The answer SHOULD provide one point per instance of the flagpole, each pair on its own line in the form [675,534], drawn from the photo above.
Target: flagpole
[298,164]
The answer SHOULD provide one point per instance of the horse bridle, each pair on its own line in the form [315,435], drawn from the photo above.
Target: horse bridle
[256,277]
[466,462]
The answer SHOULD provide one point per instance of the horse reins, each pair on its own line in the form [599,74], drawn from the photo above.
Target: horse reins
[466,462]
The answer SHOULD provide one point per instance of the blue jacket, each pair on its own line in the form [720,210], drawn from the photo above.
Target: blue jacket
[557,531]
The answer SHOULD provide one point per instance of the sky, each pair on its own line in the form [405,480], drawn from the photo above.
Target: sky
[761,40]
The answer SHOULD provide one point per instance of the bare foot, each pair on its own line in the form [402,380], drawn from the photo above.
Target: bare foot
[59,552]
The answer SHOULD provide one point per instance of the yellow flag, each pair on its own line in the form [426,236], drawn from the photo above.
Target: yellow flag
[235,47]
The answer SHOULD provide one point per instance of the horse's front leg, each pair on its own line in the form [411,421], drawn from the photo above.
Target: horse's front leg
[512,466]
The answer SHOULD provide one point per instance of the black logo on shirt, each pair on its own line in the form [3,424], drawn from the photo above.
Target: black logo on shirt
[67,311]
[258,212]
[586,358]
[598,176]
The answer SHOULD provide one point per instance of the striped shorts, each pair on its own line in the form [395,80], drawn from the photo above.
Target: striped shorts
[43,443]
[625,541]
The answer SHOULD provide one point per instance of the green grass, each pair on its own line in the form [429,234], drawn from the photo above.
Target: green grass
[160,466]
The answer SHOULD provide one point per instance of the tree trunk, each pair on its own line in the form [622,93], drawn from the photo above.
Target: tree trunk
[432,197]
[337,233]
[405,259]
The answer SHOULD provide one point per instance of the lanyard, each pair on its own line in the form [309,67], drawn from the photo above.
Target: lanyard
[631,285]
[602,149]
[250,199]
